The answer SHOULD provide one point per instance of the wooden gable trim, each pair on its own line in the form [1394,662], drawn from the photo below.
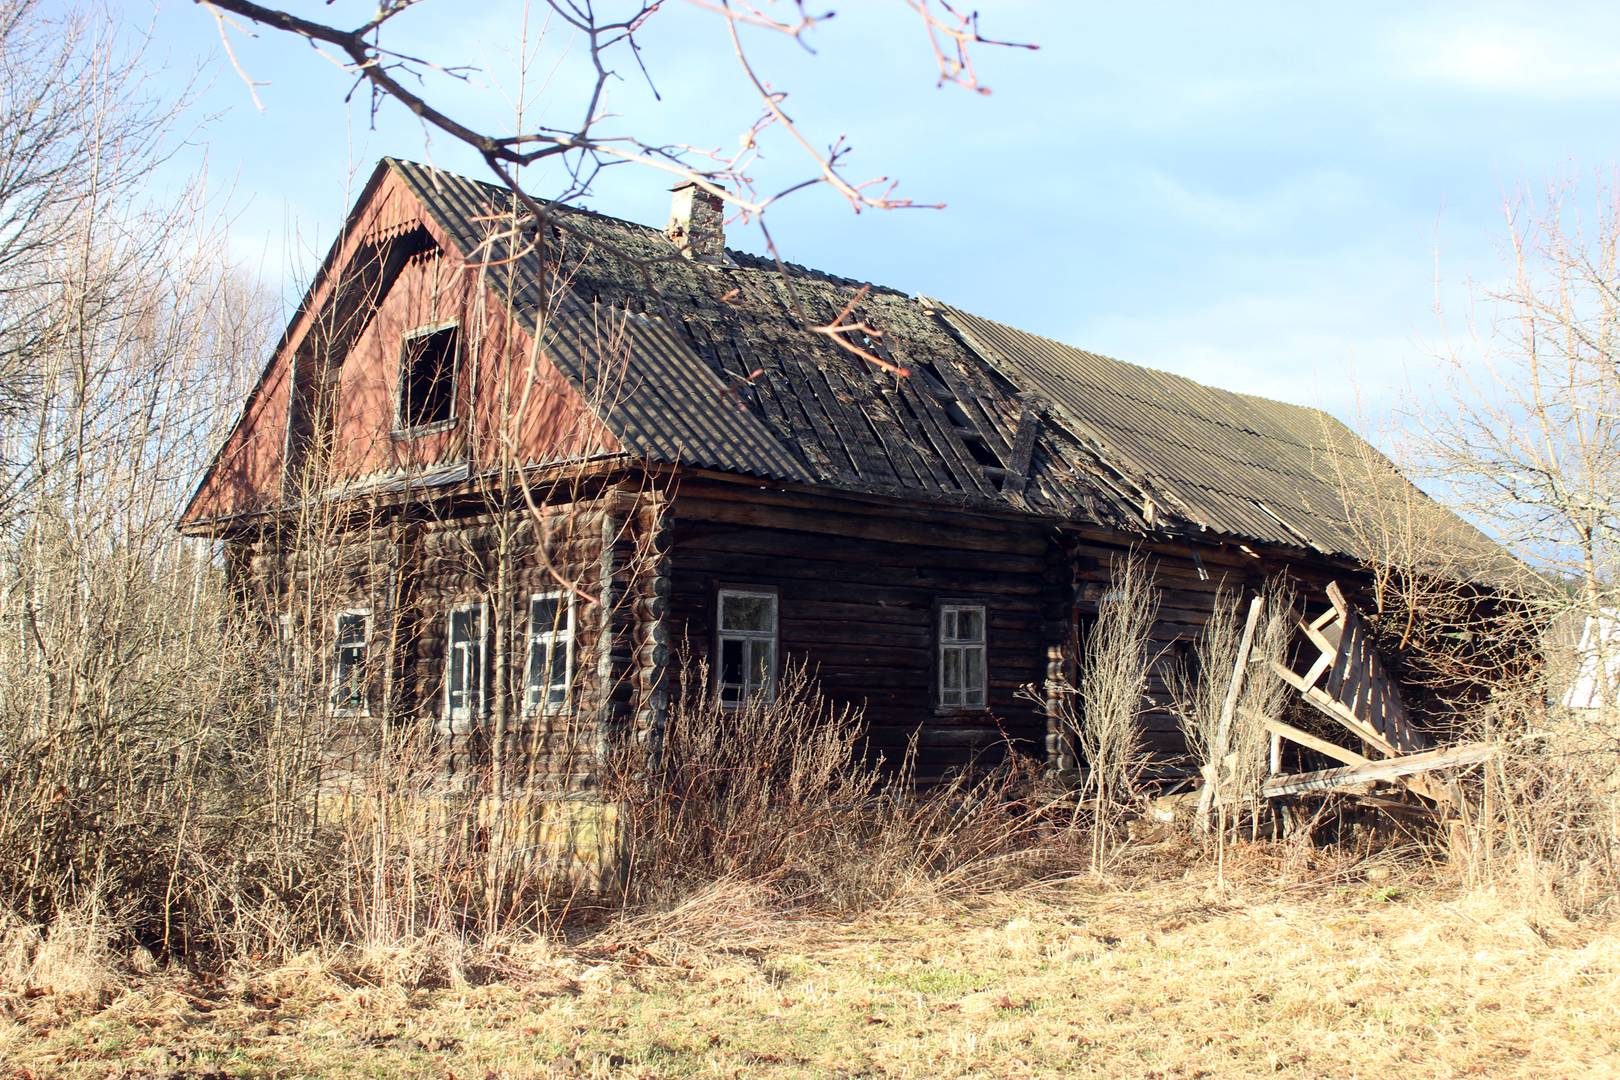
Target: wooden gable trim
[386,211]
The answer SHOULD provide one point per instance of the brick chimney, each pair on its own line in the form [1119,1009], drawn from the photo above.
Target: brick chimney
[697,223]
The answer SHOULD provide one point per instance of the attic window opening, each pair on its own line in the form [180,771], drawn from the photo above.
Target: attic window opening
[427,377]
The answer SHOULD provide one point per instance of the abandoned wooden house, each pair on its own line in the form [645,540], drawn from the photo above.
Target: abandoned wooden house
[549,466]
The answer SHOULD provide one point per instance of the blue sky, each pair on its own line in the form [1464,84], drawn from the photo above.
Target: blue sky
[1278,198]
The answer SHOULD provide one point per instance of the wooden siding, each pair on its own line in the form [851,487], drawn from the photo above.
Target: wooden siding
[333,381]
[858,595]
[409,574]
[857,600]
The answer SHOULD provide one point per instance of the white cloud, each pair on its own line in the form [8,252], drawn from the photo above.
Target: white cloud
[1555,57]
[1350,331]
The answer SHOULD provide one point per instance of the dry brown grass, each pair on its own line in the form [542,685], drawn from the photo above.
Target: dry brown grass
[782,800]
[1305,964]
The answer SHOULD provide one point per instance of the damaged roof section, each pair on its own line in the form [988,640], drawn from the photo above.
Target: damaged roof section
[717,363]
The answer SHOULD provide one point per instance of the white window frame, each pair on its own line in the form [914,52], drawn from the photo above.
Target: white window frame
[965,696]
[748,639]
[475,710]
[364,708]
[400,427]
[292,676]
[552,636]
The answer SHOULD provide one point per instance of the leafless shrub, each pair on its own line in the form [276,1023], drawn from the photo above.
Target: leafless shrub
[1225,724]
[1542,821]
[1102,716]
[782,796]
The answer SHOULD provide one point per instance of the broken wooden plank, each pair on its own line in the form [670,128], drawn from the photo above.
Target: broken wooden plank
[1312,742]
[1337,710]
[1389,769]
[1023,448]
[1223,728]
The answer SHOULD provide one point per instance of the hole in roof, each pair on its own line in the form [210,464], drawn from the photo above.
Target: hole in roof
[980,450]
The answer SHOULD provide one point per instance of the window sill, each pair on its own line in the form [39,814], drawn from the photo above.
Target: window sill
[421,430]
[961,710]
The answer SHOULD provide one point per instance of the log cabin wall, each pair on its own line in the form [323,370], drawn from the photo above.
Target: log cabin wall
[858,586]
[406,572]
[859,582]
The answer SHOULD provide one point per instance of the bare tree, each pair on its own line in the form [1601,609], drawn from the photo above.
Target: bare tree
[78,135]
[612,37]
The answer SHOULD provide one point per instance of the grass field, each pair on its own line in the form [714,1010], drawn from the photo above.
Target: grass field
[1155,975]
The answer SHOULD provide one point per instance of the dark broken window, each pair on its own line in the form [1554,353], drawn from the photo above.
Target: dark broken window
[427,377]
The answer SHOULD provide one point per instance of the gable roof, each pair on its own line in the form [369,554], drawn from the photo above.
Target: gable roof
[718,365]
[723,371]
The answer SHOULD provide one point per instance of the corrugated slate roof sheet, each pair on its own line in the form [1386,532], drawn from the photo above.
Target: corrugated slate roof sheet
[722,369]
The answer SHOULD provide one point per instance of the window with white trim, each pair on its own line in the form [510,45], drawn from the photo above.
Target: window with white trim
[961,656]
[747,641]
[427,378]
[464,662]
[351,638]
[550,671]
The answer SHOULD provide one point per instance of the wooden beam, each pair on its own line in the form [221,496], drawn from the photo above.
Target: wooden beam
[1390,769]
[1223,729]
[1311,742]
[1336,709]
[1023,448]
[1239,667]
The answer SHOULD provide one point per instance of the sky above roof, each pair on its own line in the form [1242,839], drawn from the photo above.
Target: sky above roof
[1299,201]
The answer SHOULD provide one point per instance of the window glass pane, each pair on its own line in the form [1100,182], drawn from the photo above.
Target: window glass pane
[547,615]
[950,697]
[731,662]
[551,671]
[973,671]
[759,667]
[537,671]
[947,624]
[458,676]
[951,672]
[464,655]
[349,658]
[351,629]
[756,613]
[970,624]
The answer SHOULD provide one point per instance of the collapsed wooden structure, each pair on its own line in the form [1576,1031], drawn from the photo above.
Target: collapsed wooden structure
[1347,683]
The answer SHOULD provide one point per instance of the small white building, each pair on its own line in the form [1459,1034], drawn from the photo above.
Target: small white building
[1596,664]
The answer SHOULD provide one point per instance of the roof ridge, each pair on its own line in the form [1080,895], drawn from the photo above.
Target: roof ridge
[744,260]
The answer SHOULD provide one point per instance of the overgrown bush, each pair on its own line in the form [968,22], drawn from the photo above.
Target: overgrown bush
[1225,726]
[783,794]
